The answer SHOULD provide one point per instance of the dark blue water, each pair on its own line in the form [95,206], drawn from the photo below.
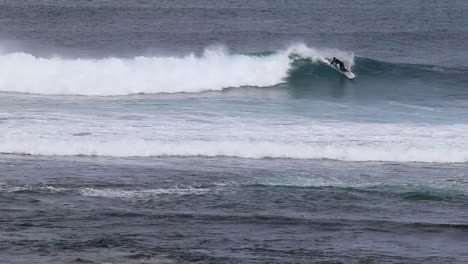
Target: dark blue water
[183,210]
[214,132]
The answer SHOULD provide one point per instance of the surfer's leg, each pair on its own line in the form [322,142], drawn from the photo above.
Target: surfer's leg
[342,67]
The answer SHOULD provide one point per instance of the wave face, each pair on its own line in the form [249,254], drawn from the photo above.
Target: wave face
[214,70]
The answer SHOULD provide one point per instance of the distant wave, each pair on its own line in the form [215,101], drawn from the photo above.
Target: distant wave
[371,151]
[214,70]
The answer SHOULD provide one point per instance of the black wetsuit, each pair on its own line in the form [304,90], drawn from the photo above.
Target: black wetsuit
[340,63]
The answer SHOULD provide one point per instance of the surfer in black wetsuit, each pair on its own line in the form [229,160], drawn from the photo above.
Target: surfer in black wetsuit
[340,63]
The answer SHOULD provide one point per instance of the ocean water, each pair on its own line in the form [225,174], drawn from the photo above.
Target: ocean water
[213,132]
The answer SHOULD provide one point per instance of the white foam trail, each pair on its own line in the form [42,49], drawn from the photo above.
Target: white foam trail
[215,69]
[110,193]
[49,189]
[131,194]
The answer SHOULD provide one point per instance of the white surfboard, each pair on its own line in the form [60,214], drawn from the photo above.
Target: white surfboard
[348,74]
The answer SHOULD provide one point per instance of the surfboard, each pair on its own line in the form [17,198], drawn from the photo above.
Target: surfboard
[348,74]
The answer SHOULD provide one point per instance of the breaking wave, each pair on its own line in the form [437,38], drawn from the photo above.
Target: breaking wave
[371,151]
[213,70]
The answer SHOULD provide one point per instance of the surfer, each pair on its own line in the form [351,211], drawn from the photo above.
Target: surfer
[340,63]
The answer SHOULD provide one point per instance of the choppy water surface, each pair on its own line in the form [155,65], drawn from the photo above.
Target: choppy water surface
[172,210]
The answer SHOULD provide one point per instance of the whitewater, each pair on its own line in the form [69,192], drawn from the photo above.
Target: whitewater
[194,130]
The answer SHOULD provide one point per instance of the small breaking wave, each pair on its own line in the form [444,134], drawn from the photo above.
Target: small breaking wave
[370,151]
